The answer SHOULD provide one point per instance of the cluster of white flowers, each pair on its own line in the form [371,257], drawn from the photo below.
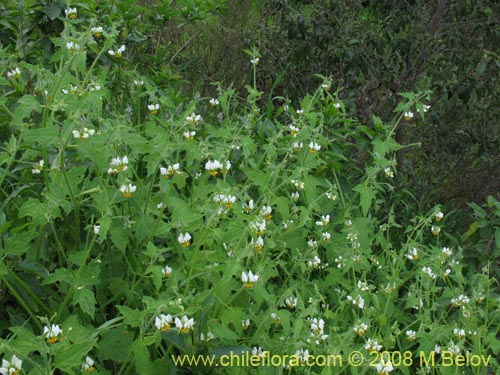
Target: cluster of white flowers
[358,301]
[214,167]
[317,330]
[170,170]
[167,271]
[249,278]
[412,254]
[128,190]
[226,200]
[84,134]
[360,328]
[118,52]
[118,165]
[71,13]
[460,301]
[194,119]
[11,368]
[164,323]
[72,90]
[258,225]
[429,272]
[184,239]
[38,167]
[52,333]
[88,365]
[325,219]
[14,73]
[97,31]
[410,335]
[72,47]
[154,108]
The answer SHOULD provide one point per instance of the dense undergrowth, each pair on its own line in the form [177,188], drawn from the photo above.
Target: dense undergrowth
[138,223]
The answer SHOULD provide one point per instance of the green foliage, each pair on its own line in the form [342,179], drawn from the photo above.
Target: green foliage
[138,226]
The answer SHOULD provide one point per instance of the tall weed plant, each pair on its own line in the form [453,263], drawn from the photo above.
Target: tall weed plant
[136,227]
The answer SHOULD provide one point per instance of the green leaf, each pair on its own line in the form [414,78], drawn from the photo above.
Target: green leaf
[68,356]
[115,344]
[132,317]
[19,243]
[366,195]
[26,105]
[46,137]
[86,299]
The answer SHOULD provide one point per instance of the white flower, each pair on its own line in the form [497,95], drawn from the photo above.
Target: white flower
[293,130]
[337,105]
[167,271]
[213,167]
[97,31]
[84,134]
[429,272]
[412,254]
[138,82]
[302,355]
[14,73]
[447,252]
[372,346]
[410,335]
[317,326]
[88,365]
[438,216]
[249,279]
[461,300]
[71,13]
[314,147]
[326,236]
[118,165]
[255,61]
[459,333]
[363,286]
[298,184]
[384,367]
[291,302]
[435,230]
[245,324]
[97,229]
[214,102]
[163,322]
[408,115]
[189,135]
[275,317]
[72,47]
[266,212]
[300,112]
[315,263]
[170,170]
[248,207]
[297,146]
[52,333]
[184,324]
[11,368]
[361,328]
[388,172]
[154,108]
[194,119]
[359,301]
[295,195]
[325,219]
[325,86]
[38,167]
[128,190]
[184,239]
[258,245]
[119,52]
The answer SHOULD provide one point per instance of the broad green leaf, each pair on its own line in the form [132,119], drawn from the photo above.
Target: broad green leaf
[366,195]
[115,344]
[69,356]
[26,105]
[86,299]
[132,316]
[46,137]
[20,243]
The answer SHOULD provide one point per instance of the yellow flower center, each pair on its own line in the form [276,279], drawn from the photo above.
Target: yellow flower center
[249,284]
[52,340]
[165,328]
[89,370]
[185,330]
[72,16]
[268,217]
[154,112]
[186,244]
[213,173]
[127,194]
[118,54]
[312,151]
[97,35]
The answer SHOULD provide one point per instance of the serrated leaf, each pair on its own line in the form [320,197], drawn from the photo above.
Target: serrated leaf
[86,299]
[25,106]
[68,356]
[132,317]
[366,195]
[19,243]
[46,137]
